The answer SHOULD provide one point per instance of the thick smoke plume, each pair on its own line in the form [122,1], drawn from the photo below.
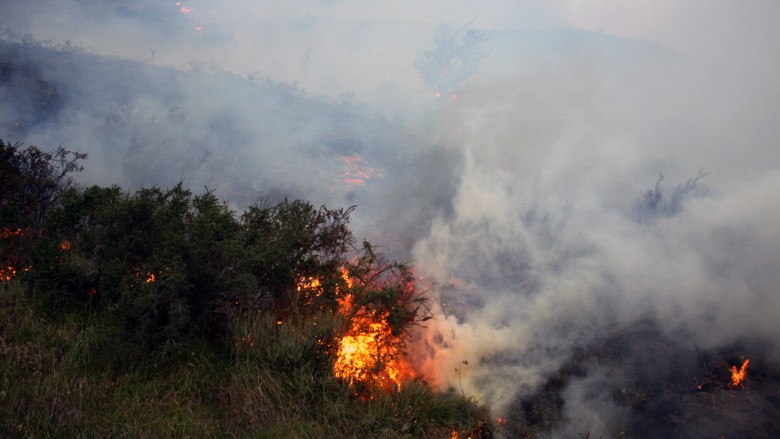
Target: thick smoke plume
[593,204]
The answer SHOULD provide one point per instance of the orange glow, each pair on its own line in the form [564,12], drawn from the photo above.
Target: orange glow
[7,273]
[738,375]
[367,354]
[148,277]
[308,288]
[65,245]
[357,172]
[248,341]
[8,267]
[7,233]
[454,434]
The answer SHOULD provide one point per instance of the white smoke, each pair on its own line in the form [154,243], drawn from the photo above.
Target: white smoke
[523,202]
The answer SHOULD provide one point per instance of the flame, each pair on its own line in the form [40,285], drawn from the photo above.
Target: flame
[308,288]
[738,375]
[357,172]
[148,277]
[367,354]
[7,273]
[8,268]
[183,9]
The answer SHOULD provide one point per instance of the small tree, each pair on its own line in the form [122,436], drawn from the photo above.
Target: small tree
[31,184]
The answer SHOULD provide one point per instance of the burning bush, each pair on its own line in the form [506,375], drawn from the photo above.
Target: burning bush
[31,183]
[296,320]
[168,267]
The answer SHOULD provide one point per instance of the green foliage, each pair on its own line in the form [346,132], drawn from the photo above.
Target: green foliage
[170,266]
[32,180]
[279,387]
[161,313]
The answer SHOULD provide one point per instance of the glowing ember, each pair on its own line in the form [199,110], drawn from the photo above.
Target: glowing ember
[357,172]
[7,273]
[738,375]
[65,245]
[8,266]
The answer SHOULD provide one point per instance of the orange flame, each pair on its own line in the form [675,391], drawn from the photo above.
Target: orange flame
[738,375]
[8,267]
[367,354]
[7,273]
[357,172]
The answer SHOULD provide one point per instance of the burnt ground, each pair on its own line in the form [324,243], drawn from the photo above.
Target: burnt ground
[645,384]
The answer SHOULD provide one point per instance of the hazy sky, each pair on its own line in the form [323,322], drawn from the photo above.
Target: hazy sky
[354,46]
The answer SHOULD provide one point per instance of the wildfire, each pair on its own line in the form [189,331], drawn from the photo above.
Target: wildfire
[738,375]
[357,172]
[183,9]
[7,273]
[148,277]
[367,354]
[308,288]
[8,266]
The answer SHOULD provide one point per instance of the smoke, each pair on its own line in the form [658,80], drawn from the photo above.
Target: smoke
[603,169]
[562,235]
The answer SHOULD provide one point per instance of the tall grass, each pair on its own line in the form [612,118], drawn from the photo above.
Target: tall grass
[58,379]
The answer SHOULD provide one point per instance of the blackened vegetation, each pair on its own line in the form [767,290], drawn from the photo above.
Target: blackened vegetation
[657,386]
[455,58]
[656,202]
[28,96]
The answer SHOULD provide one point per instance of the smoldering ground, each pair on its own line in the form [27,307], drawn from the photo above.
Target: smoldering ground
[562,266]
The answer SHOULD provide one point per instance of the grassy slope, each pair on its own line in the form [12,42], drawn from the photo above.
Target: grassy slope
[55,381]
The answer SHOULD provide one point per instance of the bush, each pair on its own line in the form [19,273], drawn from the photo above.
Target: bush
[171,267]
[31,183]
